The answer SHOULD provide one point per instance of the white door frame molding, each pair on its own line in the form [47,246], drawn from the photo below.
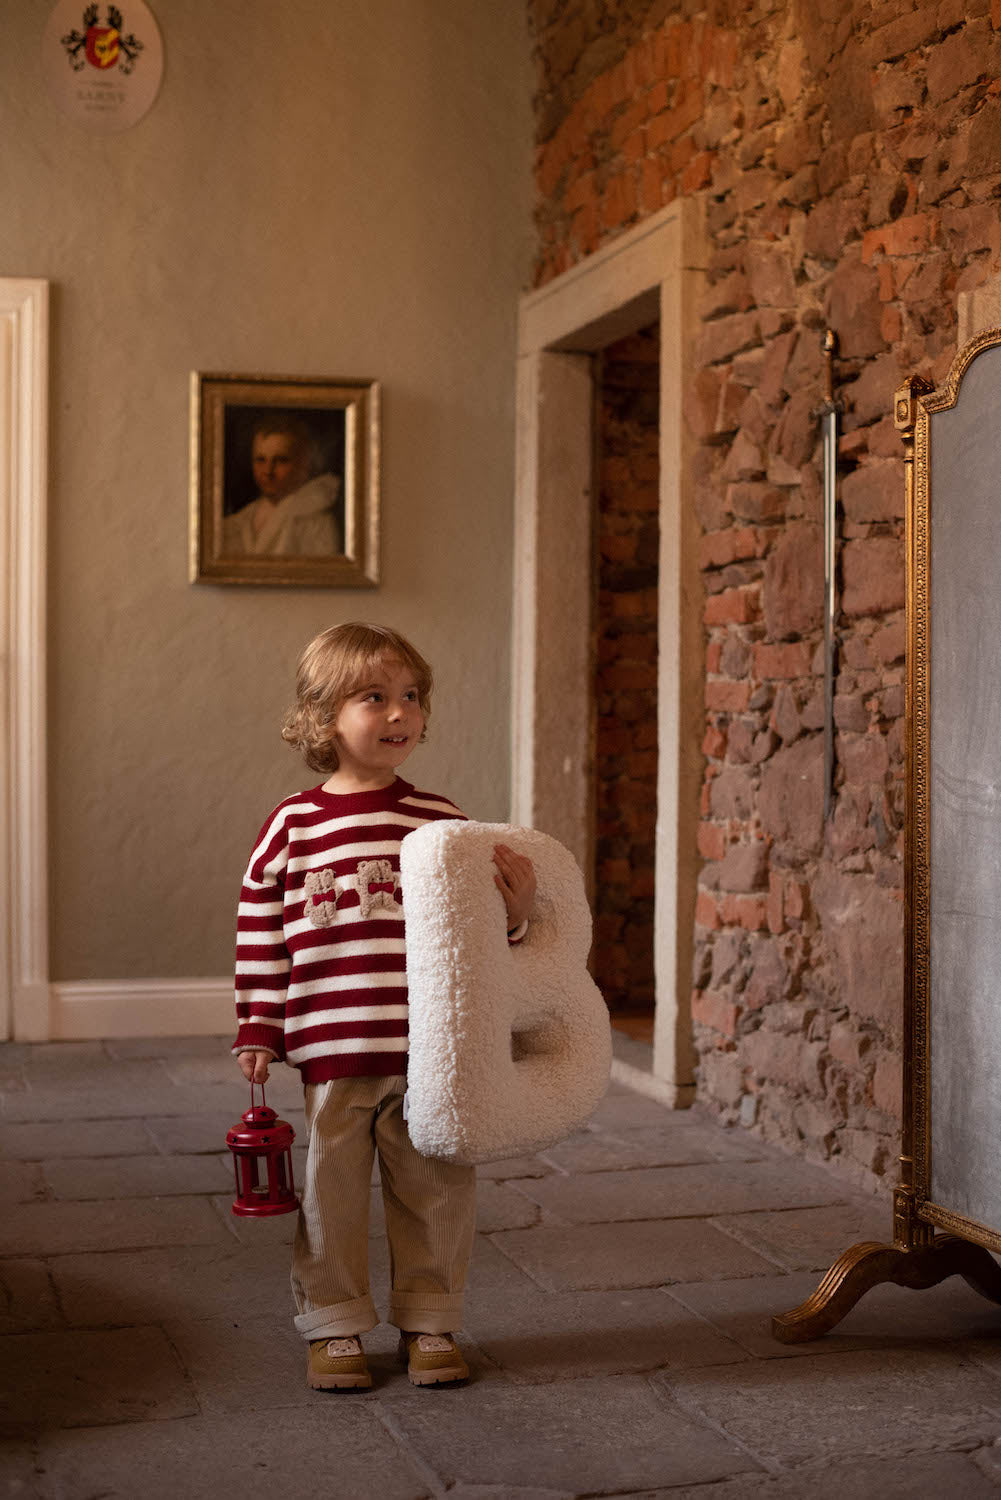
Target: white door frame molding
[31,1008]
[652,270]
[24,881]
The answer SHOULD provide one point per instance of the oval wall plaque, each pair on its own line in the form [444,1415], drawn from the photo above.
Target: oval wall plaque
[103,63]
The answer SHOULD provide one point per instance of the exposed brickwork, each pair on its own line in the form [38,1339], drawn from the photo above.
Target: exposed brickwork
[627,537]
[624,145]
[849,158]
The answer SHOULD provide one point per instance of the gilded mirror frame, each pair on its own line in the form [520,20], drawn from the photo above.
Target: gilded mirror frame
[915,408]
[916,1256]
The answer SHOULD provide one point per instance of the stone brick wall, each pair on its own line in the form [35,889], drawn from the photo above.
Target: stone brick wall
[627,541]
[849,157]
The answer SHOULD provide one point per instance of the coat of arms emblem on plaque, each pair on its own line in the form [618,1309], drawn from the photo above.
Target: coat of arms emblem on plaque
[103,63]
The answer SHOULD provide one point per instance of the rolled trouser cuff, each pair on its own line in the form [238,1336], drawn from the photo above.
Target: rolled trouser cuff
[426,1312]
[339,1320]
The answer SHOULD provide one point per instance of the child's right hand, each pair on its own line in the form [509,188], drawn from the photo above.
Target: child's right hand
[254,1066]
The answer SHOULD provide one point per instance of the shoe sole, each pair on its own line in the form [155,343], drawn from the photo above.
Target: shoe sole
[339,1382]
[437,1377]
[354,1380]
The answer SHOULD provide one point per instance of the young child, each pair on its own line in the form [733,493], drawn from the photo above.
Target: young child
[321,982]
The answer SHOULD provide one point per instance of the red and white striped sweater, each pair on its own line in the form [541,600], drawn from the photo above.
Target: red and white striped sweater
[320,955]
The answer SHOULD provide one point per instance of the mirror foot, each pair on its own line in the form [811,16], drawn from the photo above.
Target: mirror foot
[870,1264]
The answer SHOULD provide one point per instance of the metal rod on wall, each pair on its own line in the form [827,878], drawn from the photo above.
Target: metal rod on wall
[829,412]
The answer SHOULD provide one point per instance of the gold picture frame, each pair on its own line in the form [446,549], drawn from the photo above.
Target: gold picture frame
[284,481]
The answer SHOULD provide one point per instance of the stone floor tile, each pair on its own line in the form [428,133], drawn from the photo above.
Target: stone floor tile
[102,1076]
[12,1079]
[629,1046]
[84,1379]
[27,1297]
[63,1228]
[515,1166]
[506,1492]
[376,1212]
[275,1229]
[733,1144]
[875,1403]
[648,1253]
[502,1207]
[135,1176]
[681,1192]
[491,1272]
[58,1058]
[221,1066]
[621,1108]
[245,1288]
[988,1461]
[243,1455]
[183,1283]
[245,1364]
[193,1135]
[115,1100]
[592,1434]
[552,1310]
[18,1479]
[138,1047]
[14,1053]
[647,1146]
[66,1140]
[547,1336]
[811,1239]
[20,1182]
[885,1317]
[284,1085]
[743,1310]
[909,1477]
[181,1135]
[985,1348]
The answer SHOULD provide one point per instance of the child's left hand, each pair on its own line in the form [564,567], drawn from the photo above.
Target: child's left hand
[516,882]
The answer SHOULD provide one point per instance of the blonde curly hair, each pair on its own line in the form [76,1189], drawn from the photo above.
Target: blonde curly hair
[333,666]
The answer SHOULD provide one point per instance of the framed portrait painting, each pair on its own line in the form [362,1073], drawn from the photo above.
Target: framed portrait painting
[284,481]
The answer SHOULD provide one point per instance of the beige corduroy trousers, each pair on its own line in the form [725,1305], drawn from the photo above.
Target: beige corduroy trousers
[430,1216]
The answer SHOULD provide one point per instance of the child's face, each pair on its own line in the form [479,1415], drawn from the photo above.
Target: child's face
[379,724]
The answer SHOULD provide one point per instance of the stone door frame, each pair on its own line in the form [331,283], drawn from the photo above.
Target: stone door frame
[24,879]
[653,270]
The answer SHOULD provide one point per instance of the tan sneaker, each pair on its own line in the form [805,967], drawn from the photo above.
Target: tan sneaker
[337,1365]
[432,1359]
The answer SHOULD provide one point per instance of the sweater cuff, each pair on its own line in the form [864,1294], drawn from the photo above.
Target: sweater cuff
[257,1038]
[517,933]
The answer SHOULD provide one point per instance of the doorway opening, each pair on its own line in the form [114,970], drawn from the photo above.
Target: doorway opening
[650,275]
[625,622]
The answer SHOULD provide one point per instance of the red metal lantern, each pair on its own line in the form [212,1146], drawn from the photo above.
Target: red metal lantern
[262,1161]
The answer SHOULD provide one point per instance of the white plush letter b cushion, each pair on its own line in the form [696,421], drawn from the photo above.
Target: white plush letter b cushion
[510,1045]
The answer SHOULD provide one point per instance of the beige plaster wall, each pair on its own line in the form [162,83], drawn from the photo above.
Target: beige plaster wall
[321,189]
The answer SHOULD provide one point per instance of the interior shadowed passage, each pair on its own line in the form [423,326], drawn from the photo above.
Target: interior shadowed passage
[627,539]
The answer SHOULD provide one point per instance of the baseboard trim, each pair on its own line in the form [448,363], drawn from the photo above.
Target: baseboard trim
[86,1009]
[632,1064]
[674,1095]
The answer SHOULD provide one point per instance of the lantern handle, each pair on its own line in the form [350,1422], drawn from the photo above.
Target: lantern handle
[264,1101]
